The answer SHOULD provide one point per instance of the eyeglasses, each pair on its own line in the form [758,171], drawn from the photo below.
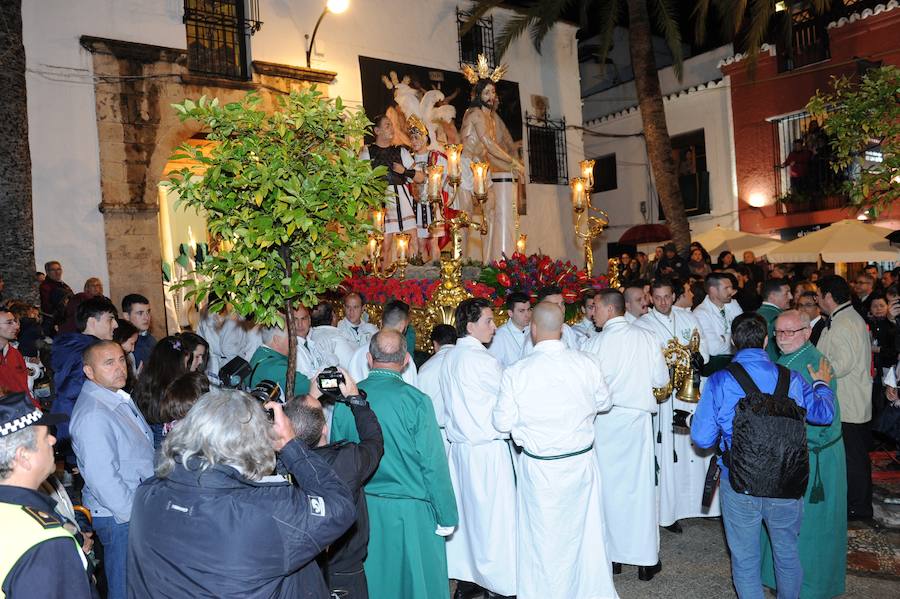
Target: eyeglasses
[788,332]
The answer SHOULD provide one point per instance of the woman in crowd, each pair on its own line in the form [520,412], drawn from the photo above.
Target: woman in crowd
[126,335]
[168,361]
[180,396]
[726,260]
[697,265]
[197,346]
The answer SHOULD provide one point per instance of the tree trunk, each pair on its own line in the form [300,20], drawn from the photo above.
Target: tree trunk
[285,252]
[16,215]
[653,117]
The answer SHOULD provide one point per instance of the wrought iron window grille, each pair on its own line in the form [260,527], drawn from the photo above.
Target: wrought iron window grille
[477,40]
[218,32]
[547,155]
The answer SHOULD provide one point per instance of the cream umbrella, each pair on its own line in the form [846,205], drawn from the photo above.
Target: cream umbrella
[844,241]
[721,238]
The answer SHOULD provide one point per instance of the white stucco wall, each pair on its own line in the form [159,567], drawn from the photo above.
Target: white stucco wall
[708,109]
[62,121]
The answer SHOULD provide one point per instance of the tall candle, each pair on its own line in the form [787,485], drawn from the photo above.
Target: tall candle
[520,243]
[479,178]
[402,244]
[378,219]
[373,244]
[435,176]
[578,194]
[454,153]
[587,173]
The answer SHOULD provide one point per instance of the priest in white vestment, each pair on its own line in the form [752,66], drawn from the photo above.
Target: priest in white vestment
[635,303]
[509,340]
[632,366]
[553,294]
[396,318]
[335,348]
[357,330]
[716,313]
[483,548]
[682,466]
[310,358]
[584,329]
[443,339]
[560,505]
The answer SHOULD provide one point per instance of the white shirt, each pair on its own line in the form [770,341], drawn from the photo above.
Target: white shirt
[584,330]
[630,317]
[716,328]
[430,381]
[359,368]
[631,362]
[551,428]
[678,323]
[310,358]
[359,335]
[508,343]
[470,381]
[336,349]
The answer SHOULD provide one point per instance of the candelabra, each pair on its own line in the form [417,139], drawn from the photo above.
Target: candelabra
[376,239]
[587,227]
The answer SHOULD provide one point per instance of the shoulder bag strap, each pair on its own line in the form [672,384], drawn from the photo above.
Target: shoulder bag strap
[784,381]
[743,379]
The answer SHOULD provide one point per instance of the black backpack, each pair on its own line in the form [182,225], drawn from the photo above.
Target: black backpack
[768,456]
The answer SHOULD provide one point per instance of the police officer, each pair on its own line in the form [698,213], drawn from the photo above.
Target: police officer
[38,557]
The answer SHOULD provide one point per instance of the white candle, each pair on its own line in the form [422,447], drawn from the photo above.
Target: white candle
[402,244]
[373,244]
[479,178]
[520,243]
[578,199]
[587,173]
[435,176]
[453,152]
[378,219]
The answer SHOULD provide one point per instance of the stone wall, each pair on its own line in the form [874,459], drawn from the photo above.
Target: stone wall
[138,131]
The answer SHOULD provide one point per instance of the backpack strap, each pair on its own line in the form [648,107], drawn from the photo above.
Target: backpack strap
[743,379]
[784,382]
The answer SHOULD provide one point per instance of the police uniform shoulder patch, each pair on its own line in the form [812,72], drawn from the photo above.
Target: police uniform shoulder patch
[45,519]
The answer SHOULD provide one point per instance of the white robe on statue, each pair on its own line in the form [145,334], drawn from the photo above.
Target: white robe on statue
[483,548]
[358,334]
[560,505]
[632,366]
[359,368]
[716,327]
[508,343]
[430,384]
[681,480]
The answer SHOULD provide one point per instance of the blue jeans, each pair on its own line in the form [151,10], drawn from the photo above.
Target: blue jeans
[743,516]
[114,538]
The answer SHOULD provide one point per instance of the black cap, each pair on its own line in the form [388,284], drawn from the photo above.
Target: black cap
[17,412]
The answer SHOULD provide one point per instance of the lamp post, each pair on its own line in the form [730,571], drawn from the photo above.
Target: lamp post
[333,6]
[587,227]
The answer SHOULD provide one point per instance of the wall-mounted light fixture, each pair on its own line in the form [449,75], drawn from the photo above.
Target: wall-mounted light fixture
[333,6]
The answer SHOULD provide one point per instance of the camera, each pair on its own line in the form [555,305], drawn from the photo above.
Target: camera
[681,421]
[330,379]
[266,391]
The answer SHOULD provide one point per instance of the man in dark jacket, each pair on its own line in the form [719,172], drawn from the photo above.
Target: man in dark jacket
[213,523]
[96,320]
[354,463]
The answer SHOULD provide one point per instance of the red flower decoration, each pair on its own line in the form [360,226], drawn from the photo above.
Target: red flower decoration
[503,279]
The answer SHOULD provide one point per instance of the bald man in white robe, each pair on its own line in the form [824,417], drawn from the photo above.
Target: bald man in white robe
[560,521]
[632,366]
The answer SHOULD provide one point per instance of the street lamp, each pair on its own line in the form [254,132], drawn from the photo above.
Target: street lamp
[333,6]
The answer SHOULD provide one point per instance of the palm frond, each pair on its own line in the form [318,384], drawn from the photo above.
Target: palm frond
[547,13]
[608,12]
[667,22]
[761,12]
[512,30]
[734,12]
[480,9]
[699,15]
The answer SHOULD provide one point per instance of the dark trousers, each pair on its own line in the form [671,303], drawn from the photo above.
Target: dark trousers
[353,585]
[857,441]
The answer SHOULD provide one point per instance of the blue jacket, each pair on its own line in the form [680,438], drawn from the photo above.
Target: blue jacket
[68,374]
[715,412]
[214,533]
[142,348]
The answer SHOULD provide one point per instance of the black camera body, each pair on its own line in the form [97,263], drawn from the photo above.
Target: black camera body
[330,379]
[266,391]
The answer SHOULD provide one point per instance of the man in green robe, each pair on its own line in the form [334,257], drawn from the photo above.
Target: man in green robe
[823,532]
[776,299]
[410,497]
[270,362]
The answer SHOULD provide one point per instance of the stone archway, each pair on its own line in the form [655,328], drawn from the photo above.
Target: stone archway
[138,131]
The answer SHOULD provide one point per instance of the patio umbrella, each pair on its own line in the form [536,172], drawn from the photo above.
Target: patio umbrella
[650,233]
[720,238]
[845,241]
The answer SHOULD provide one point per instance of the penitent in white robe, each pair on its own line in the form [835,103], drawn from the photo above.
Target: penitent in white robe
[584,331]
[682,466]
[632,366]
[483,548]
[561,527]
[430,384]
[357,334]
[569,339]
[716,327]
[335,348]
[508,343]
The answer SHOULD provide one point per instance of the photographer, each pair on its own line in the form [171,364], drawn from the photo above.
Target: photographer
[354,463]
[213,524]
[270,361]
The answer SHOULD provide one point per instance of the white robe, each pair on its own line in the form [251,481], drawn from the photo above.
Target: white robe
[560,506]
[483,548]
[358,335]
[430,384]
[632,366]
[229,337]
[584,331]
[569,339]
[359,368]
[716,329]
[680,482]
[508,343]
[336,349]
[310,358]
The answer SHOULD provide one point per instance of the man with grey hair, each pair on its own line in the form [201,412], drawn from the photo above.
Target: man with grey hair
[39,558]
[556,557]
[270,362]
[410,497]
[216,523]
[393,318]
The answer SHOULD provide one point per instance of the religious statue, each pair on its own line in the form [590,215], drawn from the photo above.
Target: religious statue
[486,138]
